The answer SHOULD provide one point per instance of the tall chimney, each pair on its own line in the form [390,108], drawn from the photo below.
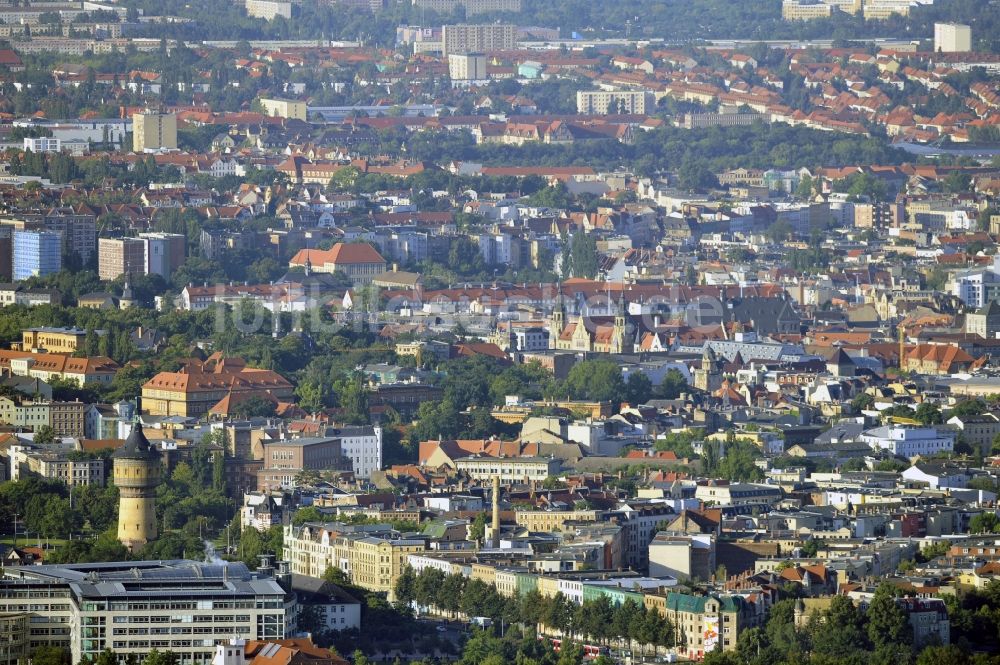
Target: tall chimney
[496,512]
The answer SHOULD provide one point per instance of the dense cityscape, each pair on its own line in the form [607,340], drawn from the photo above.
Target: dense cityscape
[473,332]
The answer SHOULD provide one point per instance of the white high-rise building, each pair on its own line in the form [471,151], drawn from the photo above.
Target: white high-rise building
[952,38]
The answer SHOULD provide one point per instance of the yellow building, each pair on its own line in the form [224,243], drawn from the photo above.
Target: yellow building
[154,131]
[793,10]
[377,563]
[284,108]
[552,520]
[136,474]
[53,340]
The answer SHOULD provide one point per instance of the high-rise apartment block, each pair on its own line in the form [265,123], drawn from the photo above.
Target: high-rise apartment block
[477,38]
[472,7]
[154,131]
[120,256]
[149,254]
[164,252]
[952,38]
[268,9]
[467,66]
[36,253]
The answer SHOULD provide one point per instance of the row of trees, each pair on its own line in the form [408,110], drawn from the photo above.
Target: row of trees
[593,621]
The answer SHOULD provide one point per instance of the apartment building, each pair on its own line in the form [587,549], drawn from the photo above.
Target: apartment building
[36,253]
[77,226]
[603,102]
[472,7]
[372,556]
[952,38]
[363,447]
[467,66]
[704,624]
[285,459]
[284,108]
[47,366]
[152,132]
[904,441]
[509,469]
[165,252]
[65,418]
[486,38]
[185,607]
[120,256]
[59,464]
[376,563]
[805,10]
[549,521]
[268,9]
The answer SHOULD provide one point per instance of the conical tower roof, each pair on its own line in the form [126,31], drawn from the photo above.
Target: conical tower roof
[137,447]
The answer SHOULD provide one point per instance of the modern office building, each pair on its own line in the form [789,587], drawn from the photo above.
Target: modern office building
[952,38]
[132,607]
[154,131]
[36,253]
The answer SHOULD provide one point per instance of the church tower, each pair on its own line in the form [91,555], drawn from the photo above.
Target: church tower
[618,332]
[709,376]
[558,320]
[136,475]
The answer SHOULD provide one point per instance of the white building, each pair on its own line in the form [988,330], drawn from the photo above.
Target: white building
[363,446]
[682,556]
[333,607]
[42,144]
[909,442]
[602,102]
[69,601]
[977,286]
[952,38]
[268,9]
[467,66]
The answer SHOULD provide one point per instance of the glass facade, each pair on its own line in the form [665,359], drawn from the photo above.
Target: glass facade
[36,253]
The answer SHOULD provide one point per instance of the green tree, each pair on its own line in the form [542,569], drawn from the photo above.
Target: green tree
[638,389]
[583,255]
[405,589]
[985,522]
[887,622]
[51,656]
[862,402]
[477,530]
[599,380]
[928,414]
[157,657]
